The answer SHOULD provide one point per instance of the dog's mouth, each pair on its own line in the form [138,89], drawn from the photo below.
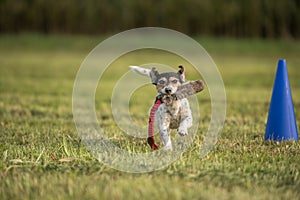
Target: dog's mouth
[168,99]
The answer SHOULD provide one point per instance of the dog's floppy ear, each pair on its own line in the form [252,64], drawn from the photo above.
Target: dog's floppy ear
[181,73]
[141,71]
[154,75]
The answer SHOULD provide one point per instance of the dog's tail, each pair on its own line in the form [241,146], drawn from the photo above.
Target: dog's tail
[141,71]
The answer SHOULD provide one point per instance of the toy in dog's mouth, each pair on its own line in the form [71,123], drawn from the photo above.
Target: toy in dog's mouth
[168,99]
[183,91]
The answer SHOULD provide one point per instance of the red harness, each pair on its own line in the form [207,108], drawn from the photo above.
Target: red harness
[150,139]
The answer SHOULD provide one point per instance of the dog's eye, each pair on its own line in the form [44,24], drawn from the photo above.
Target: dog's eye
[161,82]
[174,81]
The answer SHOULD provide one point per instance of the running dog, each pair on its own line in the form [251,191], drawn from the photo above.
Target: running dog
[172,113]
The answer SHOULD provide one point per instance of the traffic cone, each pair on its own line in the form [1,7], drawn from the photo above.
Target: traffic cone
[281,123]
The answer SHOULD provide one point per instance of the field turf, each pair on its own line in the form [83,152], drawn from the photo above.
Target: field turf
[42,157]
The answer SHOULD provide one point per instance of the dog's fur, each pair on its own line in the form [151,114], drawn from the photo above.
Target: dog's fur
[172,114]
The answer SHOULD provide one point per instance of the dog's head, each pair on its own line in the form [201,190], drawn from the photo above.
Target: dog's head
[166,83]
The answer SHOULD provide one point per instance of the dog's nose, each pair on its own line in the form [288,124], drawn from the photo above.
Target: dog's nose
[168,90]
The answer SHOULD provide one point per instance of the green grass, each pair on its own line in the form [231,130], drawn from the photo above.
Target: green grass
[41,156]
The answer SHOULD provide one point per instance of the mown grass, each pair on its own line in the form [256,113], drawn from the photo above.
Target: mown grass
[41,155]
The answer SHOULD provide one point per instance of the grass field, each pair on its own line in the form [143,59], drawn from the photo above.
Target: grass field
[41,156]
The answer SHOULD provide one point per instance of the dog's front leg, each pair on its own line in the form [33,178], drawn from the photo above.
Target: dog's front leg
[186,118]
[164,130]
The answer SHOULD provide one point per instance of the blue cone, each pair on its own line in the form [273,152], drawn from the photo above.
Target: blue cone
[281,123]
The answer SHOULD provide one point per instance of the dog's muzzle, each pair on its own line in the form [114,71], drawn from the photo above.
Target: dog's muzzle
[169,90]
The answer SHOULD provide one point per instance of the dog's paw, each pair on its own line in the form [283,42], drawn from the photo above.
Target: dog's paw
[182,131]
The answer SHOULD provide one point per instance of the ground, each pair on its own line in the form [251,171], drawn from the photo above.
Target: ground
[42,157]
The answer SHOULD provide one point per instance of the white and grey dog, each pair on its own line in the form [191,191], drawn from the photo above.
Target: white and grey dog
[173,113]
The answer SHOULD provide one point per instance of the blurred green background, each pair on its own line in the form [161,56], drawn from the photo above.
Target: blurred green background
[234,18]
[42,45]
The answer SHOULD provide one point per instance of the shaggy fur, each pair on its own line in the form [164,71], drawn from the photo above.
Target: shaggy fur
[174,113]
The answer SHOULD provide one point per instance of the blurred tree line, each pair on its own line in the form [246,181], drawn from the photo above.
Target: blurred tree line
[235,18]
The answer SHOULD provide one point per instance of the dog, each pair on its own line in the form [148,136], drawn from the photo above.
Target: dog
[173,113]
